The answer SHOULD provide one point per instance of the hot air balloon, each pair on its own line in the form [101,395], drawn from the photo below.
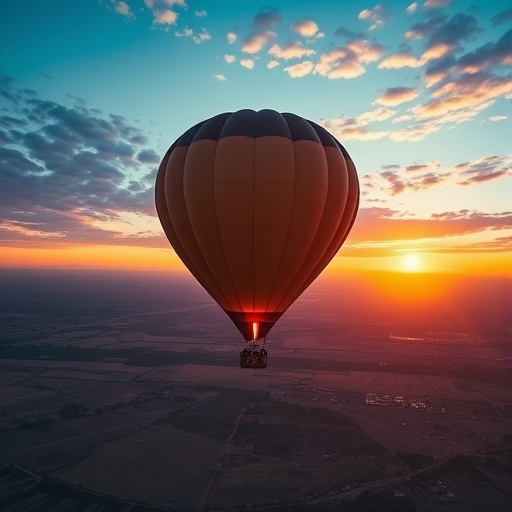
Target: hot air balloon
[256,204]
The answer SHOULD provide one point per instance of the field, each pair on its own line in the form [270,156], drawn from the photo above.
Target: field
[119,401]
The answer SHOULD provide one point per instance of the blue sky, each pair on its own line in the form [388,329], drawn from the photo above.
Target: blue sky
[94,92]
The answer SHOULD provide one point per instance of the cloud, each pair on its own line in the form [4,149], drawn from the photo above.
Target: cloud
[66,166]
[221,78]
[502,17]
[290,51]
[412,7]
[460,27]
[435,4]
[350,129]
[229,58]
[148,156]
[162,15]
[400,60]
[247,63]
[201,36]
[420,177]
[407,60]
[428,167]
[187,32]
[255,42]
[488,55]
[266,19]
[231,37]
[379,114]
[150,4]
[436,51]
[124,9]
[201,14]
[377,224]
[466,93]
[498,118]
[378,16]
[444,34]
[483,170]
[299,70]
[307,28]
[420,30]
[397,95]
[348,61]
[349,34]
[165,17]
[198,38]
[273,64]
[414,133]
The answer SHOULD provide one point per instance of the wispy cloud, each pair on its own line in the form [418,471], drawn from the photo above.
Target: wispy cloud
[344,128]
[290,51]
[123,9]
[198,38]
[348,61]
[386,232]
[378,16]
[468,94]
[435,4]
[412,7]
[419,177]
[397,95]
[299,70]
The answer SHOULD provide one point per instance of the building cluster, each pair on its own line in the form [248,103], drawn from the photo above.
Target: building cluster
[429,404]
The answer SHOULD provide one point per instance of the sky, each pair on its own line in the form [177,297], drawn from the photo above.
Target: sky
[93,93]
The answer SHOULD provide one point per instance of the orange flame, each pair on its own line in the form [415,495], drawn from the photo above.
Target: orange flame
[255,330]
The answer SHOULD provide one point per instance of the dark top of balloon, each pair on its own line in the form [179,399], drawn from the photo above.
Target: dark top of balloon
[254,124]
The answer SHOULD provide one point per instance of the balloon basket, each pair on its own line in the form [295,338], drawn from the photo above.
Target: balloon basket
[253,357]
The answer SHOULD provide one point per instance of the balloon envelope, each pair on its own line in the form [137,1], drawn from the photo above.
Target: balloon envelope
[256,204]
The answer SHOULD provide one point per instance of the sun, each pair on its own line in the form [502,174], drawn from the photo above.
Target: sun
[411,263]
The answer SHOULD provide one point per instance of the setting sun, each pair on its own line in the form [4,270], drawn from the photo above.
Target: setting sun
[411,263]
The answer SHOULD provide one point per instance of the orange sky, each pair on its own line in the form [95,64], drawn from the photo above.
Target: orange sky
[148,258]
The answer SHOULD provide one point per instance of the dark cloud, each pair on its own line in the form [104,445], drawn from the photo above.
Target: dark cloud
[443,30]
[266,19]
[487,169]
[64,167]
[460,27]
[148,156]
[350,35]
[421,30]
[502,17]
[416,167]
[490,54]
[395,183]
[485,57]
